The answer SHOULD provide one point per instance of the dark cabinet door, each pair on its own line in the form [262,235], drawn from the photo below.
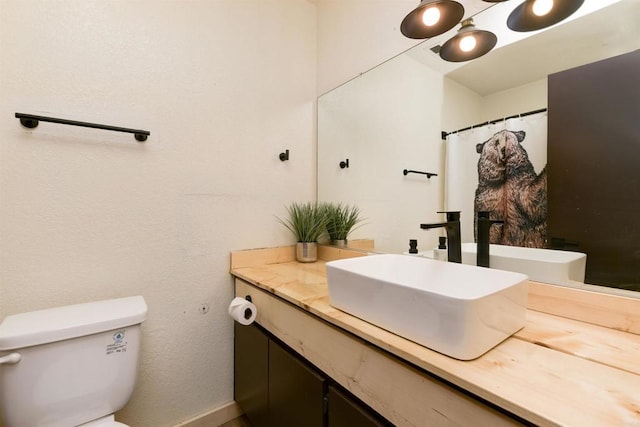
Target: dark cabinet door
[593,153]
[276,388]
[296,392]
[347,412]
[251,373]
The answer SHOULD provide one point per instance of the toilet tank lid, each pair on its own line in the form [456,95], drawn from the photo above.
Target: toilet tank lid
[71,321]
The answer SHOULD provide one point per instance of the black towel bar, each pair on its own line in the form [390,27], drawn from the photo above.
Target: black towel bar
[428,174]
[31,121]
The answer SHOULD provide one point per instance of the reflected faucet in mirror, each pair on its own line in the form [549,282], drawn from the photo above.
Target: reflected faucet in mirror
[483,225]
[452,227]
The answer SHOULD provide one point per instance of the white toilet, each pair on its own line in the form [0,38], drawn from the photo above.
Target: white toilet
[70,366]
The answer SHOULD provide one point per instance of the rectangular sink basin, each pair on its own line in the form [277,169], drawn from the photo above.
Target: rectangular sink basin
[542,265]
[458,310]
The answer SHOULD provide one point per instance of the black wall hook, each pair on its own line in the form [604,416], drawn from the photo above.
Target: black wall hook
[344,164]
[428,174]
[284,156]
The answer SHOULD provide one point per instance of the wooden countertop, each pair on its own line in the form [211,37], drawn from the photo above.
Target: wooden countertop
[555,371]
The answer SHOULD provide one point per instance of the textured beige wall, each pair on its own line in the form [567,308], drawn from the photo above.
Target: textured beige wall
[356,35]
[381,139]
[224,86]
[528,97]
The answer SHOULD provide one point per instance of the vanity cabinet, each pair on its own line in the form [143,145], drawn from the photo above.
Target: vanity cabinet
[276,388]
[296,392]
[344,411]
[557,370]
[251,373]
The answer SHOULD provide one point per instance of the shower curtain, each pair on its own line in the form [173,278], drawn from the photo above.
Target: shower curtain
[500,168]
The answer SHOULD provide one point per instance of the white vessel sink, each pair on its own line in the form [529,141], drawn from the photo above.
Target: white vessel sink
[541,265]
[458,310]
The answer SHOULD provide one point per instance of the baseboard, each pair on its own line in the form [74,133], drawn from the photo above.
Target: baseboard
[215,417]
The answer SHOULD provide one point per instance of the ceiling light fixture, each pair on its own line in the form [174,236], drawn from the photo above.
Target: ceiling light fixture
[431,18]
[469,43]
[537,14]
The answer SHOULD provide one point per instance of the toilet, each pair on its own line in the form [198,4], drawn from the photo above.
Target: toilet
[70,366]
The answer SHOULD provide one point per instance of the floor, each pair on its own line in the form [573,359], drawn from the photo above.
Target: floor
[238,422]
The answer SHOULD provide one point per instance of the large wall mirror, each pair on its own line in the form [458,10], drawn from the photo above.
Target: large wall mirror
[391,118]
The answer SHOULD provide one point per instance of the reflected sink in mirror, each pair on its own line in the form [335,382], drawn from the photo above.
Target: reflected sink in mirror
[459,310]
[542,265]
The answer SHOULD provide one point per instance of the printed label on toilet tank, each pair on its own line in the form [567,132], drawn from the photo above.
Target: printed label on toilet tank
[119,344]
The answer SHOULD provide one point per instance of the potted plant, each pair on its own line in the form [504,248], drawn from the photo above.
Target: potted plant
[307,221]
[341,220]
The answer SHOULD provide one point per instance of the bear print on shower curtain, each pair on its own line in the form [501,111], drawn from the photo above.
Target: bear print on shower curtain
[510,189]
[506,182]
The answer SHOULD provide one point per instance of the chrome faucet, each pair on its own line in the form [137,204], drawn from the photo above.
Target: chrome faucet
[482,242]
[452,227]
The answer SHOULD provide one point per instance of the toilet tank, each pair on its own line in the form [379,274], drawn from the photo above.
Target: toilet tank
[76,363]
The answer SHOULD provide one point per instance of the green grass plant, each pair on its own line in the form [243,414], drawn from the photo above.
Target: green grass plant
[307,221]
[341,220]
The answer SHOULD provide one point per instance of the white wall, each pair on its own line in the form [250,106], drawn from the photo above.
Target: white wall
[382,132]
[224,86]
[521,99]
[356,35]
[461,108]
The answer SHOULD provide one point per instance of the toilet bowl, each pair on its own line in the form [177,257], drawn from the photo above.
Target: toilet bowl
[70,366]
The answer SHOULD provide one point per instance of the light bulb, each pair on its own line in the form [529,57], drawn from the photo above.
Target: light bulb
[467,43]
[542,7]
[431,16]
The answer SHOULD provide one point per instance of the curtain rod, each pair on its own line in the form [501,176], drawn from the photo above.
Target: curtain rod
[490,122]
[31,121]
